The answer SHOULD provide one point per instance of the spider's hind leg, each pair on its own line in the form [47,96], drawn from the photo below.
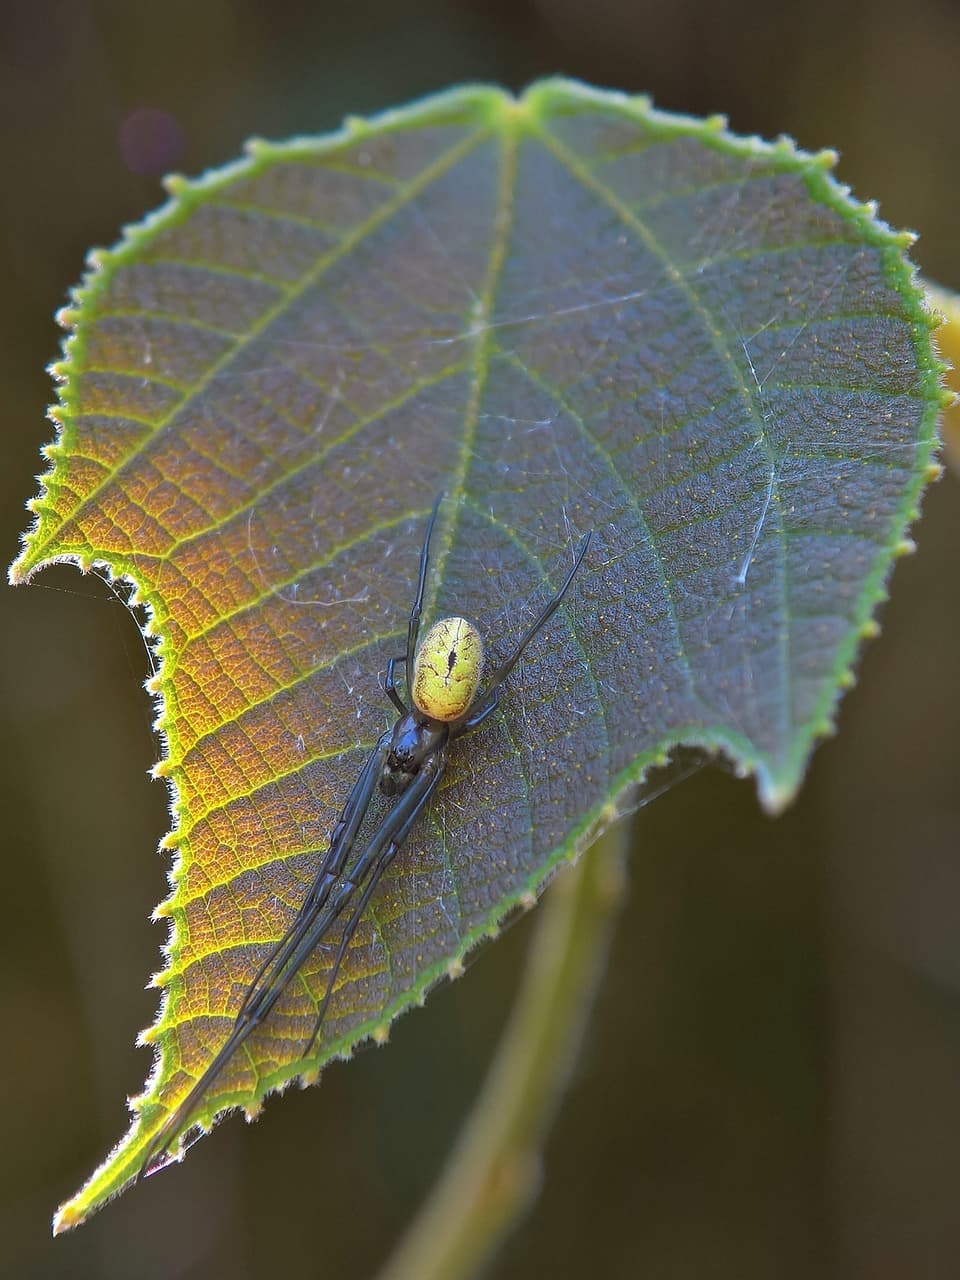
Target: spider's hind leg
[477,715]
[490,697]
[413,623]
[413,626]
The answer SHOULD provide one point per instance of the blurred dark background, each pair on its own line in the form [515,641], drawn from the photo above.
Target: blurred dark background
[771,1083]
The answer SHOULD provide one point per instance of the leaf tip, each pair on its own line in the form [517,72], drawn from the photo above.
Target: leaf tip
[826,159]
[905,547]
[528,900]
[870,629]
[455,969]
[381,1034]
[65,1219]
[932,472]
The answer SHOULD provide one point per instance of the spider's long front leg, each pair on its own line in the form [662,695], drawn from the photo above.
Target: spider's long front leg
[379,854]
[342,839]
[301,940]
[393,829]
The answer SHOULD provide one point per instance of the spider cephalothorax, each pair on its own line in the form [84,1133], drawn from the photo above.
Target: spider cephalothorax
[413,739]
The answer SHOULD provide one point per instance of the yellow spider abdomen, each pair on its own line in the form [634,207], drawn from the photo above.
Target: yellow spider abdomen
[447,668]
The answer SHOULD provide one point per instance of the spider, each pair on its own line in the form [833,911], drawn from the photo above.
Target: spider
[443,683]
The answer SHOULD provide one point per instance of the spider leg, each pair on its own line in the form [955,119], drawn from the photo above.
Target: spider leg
[393,828]
[342,839]
[390,685]
[491,696]
[301,940]
[489,704]
[413,626]
[387,850]
[157,1156]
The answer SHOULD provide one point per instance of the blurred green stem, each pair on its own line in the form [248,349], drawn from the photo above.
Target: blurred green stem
[493,1173]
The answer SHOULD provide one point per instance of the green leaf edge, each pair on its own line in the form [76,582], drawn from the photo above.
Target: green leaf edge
[493,107]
